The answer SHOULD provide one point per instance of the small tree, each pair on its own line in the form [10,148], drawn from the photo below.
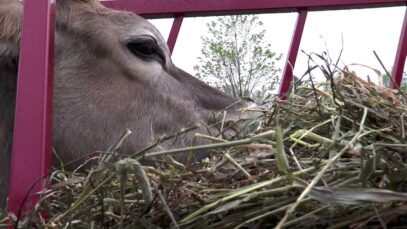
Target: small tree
[236,59]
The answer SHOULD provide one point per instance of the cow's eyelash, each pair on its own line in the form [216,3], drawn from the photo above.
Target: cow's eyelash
[146,49]
[142,48]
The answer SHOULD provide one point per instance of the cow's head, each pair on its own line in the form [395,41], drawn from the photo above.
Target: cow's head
[113,71]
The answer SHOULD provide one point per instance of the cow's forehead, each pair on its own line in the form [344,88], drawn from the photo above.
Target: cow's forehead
[93,16]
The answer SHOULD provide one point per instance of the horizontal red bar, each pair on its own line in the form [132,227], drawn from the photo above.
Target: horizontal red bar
[155,9]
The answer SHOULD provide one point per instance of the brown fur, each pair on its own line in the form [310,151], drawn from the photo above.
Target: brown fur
[10,27]
[100,87]
[10,19]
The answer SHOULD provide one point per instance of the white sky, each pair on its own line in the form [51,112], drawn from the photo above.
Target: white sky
[362,30]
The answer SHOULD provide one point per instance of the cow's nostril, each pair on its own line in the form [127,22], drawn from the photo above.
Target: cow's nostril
[244,111]
[252,111]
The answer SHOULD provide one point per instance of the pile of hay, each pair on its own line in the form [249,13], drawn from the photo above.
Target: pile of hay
[332,155]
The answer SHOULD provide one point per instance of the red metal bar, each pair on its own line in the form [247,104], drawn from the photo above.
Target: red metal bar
[400,59]
[32,131]
[292,55]
[176,26]
[31,152]
[168,8]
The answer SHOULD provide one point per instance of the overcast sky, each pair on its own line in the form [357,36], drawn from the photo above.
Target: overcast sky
[362,30]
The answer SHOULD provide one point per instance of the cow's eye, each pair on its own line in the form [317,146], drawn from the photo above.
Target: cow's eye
[146,49]
[142,49]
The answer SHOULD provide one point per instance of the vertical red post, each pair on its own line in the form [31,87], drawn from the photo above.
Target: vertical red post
[401,54]
[292,55]
[176,26]
[32,130]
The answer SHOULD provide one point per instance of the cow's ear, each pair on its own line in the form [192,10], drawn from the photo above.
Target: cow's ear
[10,26]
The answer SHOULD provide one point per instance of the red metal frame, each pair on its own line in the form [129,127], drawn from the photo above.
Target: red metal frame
[32,130]
[401,54]
[169,8]
[292,55]
[31,152]
[176,26]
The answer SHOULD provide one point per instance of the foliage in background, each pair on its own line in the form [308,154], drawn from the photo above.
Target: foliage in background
[236,58]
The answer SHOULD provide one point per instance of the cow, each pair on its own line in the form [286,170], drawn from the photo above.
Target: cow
[112,72]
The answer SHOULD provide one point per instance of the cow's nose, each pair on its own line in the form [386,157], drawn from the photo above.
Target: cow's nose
[247,110]
[251,111]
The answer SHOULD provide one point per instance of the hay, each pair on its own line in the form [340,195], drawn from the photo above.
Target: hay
[332,156]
